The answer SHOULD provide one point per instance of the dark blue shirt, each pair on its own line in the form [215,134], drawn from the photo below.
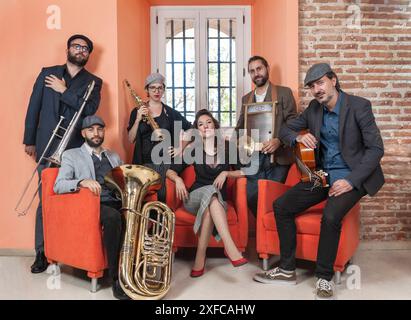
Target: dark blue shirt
[331,158]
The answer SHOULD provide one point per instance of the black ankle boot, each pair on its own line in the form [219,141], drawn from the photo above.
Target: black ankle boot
[118,292]
[40,264]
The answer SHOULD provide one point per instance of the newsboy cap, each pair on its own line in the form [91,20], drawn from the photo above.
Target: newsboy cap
[154,78]
[91,121]
[316,72]
[83,37]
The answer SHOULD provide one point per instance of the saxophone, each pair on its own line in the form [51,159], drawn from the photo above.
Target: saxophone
[146,256]
[149,118]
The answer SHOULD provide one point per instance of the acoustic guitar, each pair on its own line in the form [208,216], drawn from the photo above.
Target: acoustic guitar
[305,158]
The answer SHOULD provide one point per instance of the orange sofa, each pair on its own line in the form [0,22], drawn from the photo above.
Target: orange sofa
[308,226]
[237,213]
[72,229]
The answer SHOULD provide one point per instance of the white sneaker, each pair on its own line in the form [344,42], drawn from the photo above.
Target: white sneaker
[276,276]
[324,289]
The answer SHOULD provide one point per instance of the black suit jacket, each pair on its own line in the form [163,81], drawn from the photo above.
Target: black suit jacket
[286,110]
[43,112]
[360,139]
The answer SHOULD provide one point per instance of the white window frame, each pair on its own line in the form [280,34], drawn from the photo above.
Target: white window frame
[200,14]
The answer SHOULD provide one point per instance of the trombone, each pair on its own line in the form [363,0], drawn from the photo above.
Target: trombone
[55,158]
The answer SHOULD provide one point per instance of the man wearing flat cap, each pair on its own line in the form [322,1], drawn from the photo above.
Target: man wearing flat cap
[85,167]
[58,91]
[348,146]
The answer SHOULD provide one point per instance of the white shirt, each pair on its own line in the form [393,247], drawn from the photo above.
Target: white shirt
[260,97]
[91,151]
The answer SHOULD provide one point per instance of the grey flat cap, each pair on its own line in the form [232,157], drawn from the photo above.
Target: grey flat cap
[91,121]
[316,72]
[154,78]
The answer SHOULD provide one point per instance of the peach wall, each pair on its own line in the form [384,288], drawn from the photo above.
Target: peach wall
[134,61]
[201,2]
[120,30]
[27,48]
[275,36]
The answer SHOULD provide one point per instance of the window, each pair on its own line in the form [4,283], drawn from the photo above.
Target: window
[202,52]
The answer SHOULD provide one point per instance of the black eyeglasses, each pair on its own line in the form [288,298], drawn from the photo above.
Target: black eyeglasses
[154,89]
[79,47]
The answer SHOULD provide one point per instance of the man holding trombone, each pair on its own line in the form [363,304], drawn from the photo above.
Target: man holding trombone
[58,91]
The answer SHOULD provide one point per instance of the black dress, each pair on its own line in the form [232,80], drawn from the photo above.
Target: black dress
[144,146]
[143,143]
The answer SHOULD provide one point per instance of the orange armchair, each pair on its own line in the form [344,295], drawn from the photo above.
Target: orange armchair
[236,214]
[72,229]
[308,226]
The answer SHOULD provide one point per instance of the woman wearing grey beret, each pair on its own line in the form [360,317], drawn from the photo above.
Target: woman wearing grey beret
[140,132]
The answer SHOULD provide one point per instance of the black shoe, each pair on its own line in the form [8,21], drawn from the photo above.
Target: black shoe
[40,264]
[118,291]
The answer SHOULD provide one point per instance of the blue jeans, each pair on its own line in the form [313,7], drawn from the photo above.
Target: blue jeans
[274,172]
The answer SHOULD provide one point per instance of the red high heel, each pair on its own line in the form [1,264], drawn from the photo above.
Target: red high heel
[239,262]
[236,263]
[197,273]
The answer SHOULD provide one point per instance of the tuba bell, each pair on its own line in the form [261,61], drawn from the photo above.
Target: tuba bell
[146,256]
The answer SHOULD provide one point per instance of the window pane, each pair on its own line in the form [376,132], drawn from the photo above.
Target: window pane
[212,50]
[169,51]
[212,28]
[178,27]
[225,50]
[225,74]
[213,75]
[169,97]
[190,50]
[190,30]
[179,100]
[178,50]
[216,115]
[233,51]
[169,75]
[233,75]
[225,119]
[178,75]
[190,75]
[191,100]
[213,101]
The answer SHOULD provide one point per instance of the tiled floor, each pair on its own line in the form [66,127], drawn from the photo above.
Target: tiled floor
[382,274]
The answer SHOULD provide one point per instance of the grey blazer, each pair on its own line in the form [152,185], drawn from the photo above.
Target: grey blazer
[77,165]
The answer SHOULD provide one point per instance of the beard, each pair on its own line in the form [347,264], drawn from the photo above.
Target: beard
[77,59]
[94,144]
[323,98]
[261,81]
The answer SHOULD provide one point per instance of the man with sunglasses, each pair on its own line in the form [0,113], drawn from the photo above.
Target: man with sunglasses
[58,91]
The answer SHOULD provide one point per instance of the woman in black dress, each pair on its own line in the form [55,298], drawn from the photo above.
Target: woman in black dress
[207,197]
[140,132]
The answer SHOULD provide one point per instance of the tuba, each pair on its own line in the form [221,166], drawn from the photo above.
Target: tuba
[146,255]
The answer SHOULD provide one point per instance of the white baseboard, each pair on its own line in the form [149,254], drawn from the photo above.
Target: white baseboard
[385,245]
[364,245]
[17,252]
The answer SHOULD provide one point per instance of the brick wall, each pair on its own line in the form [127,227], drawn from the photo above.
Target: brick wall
[368,43]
